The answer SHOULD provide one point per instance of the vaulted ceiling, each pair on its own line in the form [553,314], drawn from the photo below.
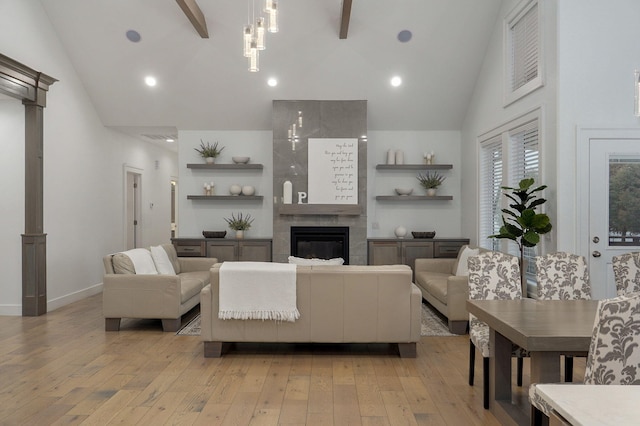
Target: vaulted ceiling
[203,83]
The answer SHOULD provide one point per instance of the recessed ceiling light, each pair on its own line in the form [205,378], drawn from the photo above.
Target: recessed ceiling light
[170,140]
[404,36]
[150,81]
[396,81]
[272,82]
[133,36]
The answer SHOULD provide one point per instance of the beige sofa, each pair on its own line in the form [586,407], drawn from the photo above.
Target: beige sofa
[165,297]
[337,304]
[444,290]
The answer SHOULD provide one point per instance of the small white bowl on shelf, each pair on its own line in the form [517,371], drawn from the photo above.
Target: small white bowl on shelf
[240,160]
[404,191]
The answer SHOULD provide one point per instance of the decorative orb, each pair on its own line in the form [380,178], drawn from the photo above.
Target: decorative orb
[248,190]
[400,231]
[235,189]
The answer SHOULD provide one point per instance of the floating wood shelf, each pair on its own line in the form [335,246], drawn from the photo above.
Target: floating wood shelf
[225,197]
[412,197]
[414,166]
[225,166]
[320,209]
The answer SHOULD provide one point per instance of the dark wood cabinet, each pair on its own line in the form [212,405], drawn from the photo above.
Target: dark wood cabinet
[390,251]
[252,249]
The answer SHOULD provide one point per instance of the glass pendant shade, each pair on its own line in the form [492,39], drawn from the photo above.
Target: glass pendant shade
[253,58]
[247,36]
[636,93]
[273,17]
[267,5]
[260,33]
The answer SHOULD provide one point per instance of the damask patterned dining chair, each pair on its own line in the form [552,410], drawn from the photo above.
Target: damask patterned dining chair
[614,353]
[626,272]
[492,275]
[563,276]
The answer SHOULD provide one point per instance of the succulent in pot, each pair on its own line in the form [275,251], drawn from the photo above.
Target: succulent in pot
[430,181]
[209,152]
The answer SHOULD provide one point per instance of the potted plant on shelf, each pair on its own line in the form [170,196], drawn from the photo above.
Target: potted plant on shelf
[209,152]
[239,224]
[431,182]
[522,224]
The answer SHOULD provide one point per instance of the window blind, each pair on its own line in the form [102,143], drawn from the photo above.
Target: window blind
[491,174]
[524,48]
[524,162]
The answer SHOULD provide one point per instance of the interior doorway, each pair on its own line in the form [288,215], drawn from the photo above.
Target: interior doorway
[174,211]
[133,191]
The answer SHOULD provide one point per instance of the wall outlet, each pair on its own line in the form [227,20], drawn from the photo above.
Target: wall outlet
[375,225]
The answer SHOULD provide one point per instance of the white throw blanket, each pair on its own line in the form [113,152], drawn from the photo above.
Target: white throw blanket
[258,290]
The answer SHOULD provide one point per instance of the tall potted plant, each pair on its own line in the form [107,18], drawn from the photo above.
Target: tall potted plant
[521,223]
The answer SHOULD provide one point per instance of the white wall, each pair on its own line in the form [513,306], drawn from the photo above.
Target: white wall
[83,171]
[11,200]
[598,51]
[440,216]
[196,216]
[487,111]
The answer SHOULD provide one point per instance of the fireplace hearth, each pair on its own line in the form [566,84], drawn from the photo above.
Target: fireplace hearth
[322,242]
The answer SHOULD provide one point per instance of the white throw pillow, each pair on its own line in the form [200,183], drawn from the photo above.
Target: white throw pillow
[308,262]
[162,261]
[463,267]
[142,261]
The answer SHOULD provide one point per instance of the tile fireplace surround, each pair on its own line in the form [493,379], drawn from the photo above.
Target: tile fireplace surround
[321,119]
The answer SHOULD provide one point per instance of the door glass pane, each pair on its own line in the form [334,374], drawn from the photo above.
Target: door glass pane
[624,200]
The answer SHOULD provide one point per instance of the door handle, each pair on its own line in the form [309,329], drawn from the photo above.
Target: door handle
[596,253]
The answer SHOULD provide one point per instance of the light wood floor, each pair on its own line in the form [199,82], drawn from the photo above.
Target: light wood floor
[63,368]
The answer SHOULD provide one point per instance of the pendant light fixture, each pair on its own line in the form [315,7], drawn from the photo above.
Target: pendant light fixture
[254,33]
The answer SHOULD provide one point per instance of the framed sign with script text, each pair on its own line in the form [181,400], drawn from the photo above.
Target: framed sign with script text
[333,171]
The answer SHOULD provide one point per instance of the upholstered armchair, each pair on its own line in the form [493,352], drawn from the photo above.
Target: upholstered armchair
[492,275]
[614,357]
[626,271]
[563,276]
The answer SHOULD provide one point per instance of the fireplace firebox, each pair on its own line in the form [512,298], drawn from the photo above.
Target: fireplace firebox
[322,242]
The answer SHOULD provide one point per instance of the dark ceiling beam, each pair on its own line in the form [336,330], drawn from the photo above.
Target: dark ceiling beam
[193,12]
[344,19]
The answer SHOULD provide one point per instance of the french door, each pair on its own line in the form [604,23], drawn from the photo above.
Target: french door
[614,204]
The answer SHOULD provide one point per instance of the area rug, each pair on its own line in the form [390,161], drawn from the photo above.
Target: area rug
[433,324]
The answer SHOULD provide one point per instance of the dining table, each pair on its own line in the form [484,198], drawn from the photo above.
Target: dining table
[592,405]
[547,329]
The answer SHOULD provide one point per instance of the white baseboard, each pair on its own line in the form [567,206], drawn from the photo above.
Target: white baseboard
[53,304]
[59,302]
[11,310]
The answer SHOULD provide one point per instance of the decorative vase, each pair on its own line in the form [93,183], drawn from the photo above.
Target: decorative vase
[287,192]
[390,157]
[240,234]
[210,160]
[399,157]
[400,231]
[431,192]
[235,189]
[248,190]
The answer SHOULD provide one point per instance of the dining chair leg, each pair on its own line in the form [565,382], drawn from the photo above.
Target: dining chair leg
[485,382]
[568,369]
[538,418]
[472,361]
[519,363]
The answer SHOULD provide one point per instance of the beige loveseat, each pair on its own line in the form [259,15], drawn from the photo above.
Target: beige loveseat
[337,304]
[166,297]
[444,290]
